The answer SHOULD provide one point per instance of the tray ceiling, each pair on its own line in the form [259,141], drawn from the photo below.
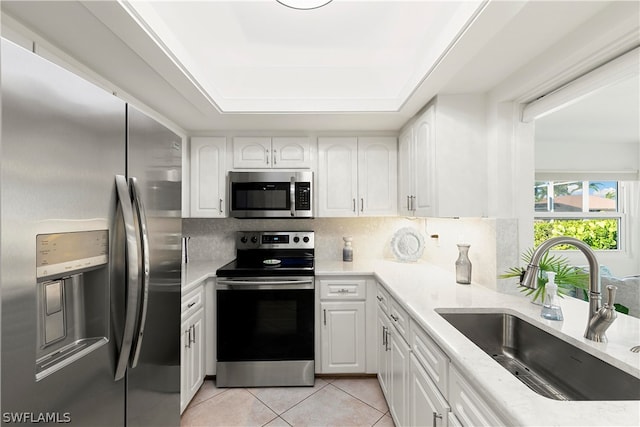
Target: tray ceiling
[346,56]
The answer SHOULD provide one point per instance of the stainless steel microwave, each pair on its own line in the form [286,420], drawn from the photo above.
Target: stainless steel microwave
[273,194]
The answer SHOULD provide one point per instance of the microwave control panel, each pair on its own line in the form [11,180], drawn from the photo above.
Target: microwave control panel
[303,196]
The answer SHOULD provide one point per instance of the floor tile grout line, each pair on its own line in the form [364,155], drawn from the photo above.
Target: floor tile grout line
[190,406]
[356,397]
[290,408]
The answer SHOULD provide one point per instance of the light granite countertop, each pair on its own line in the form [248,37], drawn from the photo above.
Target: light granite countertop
[423,288]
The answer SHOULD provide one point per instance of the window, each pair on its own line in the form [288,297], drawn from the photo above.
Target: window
[586,210]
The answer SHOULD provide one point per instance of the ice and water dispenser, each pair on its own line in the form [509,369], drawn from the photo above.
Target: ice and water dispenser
[72,295]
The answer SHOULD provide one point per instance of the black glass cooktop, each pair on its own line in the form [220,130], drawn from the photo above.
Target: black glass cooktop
[256,263]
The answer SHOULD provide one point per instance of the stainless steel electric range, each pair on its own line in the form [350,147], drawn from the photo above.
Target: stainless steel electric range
[265,311]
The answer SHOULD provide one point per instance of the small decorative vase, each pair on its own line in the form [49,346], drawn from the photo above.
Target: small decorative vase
[347,251]
[463,265]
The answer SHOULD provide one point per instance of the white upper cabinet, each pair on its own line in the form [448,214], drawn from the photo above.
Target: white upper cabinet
[261,152]
[208,177]
[357,176]
[442,160]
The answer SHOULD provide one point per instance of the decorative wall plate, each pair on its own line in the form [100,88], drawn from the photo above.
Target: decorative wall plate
[407,244]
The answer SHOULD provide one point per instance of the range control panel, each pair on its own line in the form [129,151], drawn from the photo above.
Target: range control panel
[275,240]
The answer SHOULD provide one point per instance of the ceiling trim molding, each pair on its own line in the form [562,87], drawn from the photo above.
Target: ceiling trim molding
[613,72]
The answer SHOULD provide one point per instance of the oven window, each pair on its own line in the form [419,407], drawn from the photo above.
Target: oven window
[265,325]
[261,195]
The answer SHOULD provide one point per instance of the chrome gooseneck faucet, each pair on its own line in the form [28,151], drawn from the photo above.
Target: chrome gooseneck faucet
[600,317]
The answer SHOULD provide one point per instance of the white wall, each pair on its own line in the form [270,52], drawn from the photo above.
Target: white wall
[510,142]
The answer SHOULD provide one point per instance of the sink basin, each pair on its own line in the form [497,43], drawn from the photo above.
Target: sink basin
[546,364]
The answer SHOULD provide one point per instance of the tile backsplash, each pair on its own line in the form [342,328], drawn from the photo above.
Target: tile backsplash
[494,244]
[215,238]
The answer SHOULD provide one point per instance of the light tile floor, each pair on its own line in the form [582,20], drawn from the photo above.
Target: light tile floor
[330,402]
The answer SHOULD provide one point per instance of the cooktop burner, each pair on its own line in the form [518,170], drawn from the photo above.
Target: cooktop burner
[271,253]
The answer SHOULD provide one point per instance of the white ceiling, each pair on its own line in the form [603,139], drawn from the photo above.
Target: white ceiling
[357,65]
[261,56]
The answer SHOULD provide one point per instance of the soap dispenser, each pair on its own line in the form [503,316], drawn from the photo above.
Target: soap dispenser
[550,308]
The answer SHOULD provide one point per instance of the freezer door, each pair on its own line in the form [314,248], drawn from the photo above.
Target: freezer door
[63,140]
[155,164]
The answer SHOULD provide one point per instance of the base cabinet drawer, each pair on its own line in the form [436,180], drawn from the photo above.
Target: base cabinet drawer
[467,405]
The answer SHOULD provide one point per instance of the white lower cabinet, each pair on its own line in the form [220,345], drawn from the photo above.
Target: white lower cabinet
[393,358]
[384,362]
[426,401]
[399,377]
[343,337]
[343,325]
[421,386]
[192,361]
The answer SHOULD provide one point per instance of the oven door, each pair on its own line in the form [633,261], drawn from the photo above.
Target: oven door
[265,319]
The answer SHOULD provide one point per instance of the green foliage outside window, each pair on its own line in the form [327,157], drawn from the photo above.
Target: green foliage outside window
[597,233]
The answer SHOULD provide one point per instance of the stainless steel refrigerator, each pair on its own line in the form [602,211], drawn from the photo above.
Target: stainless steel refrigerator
[90,279]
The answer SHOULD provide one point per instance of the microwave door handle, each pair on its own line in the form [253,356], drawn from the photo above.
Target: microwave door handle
[132,281]
[292,194]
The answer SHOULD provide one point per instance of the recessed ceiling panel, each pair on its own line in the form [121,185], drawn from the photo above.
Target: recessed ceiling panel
[346,56]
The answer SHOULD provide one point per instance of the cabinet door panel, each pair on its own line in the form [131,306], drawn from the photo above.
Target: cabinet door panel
[399,376]
[184,367]
[343,334]
[291,152]
[251,152]
[426,399]
[208,155]
[406,184]
[377,176]
[424,168]
[337,176]
[384,357]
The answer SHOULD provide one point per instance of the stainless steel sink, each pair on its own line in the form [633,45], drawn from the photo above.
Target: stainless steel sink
[546,364]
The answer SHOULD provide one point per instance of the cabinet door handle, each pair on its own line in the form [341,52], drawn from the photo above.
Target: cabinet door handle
[188,333]
[220,206]
[379,298]
[325,316]
[191,304]
[361,204]
[274,157]
[387,346]
[384,337]
[413,203]
[435,418]
[343,291]
[354,205]
[193,335]
[266,155]
[395,319]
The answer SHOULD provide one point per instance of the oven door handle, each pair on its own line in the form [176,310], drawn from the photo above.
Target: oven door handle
[292,195]
[240,285]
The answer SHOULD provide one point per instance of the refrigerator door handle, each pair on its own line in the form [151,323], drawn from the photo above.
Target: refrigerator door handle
[144,240]
[131,243]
